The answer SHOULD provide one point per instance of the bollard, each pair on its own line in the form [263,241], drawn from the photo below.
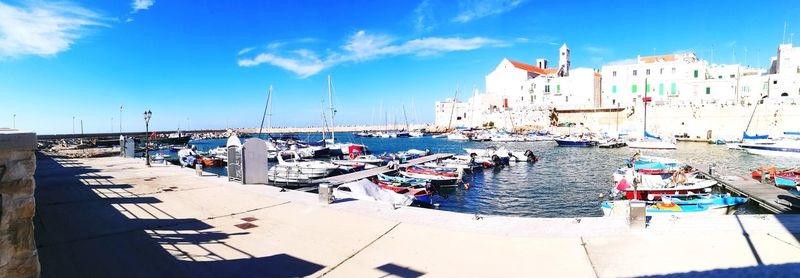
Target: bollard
[325,193]
[638,215]
[199,169]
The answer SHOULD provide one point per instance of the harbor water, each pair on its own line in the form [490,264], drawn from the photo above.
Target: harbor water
[565,182]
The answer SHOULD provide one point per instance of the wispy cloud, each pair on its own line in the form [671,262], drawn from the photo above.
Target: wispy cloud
[138,5]
[475,9]
[423,17]
[43,29]
[360,47]
[545,39]
[596,50]
[731,44]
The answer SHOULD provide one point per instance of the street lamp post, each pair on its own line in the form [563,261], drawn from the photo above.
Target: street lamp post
[73,126]
[147,115]
[14,121]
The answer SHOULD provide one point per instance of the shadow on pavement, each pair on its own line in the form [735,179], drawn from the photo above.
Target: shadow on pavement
[85,227]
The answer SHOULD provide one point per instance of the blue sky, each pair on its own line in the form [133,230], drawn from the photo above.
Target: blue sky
[208,64]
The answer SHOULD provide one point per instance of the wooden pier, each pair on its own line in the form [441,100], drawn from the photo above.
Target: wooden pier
[342,179]
[767,196]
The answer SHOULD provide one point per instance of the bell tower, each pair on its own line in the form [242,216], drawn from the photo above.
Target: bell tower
[563,60]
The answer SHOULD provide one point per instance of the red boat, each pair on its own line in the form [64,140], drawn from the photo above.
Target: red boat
[649,193]
[416,192]
[211,161]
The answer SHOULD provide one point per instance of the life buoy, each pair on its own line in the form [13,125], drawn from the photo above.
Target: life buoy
[353,154]
[679,177]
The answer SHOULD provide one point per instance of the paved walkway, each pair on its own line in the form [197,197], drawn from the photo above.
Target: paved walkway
[113,217]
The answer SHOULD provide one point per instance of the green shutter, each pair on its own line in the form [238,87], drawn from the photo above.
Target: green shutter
[674,89]
[708,90]
[695,73]
[633,88]
[558,88]
[614,89]
[661,89]
[646,88]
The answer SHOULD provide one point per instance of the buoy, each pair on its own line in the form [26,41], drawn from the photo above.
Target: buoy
[466,185]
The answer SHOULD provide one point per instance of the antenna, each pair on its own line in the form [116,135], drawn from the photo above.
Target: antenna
[784,32]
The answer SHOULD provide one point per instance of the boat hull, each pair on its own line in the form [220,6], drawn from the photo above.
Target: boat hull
[572,143]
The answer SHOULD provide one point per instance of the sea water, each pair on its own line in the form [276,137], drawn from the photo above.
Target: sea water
[565,182]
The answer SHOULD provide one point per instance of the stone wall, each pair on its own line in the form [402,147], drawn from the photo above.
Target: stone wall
[18,256]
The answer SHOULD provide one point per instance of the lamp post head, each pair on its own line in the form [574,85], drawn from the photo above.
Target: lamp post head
[147,115]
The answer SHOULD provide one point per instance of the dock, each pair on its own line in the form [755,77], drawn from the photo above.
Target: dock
[767,196]
[342,179]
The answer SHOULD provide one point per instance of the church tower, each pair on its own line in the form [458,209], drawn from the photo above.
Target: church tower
[563,61]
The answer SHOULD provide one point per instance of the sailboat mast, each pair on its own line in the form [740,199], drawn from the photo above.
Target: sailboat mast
[405,117]
[330,101]
[453,109]
[269,97]
[322,112]
[645,105]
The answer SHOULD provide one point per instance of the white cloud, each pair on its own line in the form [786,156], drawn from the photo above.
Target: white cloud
[43,29]
[138,5]
[362,46]
[596,50]
[423,17]
[475,9]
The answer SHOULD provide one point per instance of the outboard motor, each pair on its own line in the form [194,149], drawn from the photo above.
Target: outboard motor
[531,157]
[511,155]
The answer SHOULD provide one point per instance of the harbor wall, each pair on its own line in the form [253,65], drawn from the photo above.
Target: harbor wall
[724,121]
[18,255]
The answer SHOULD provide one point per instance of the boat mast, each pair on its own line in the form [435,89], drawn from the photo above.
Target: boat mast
[324,122]
[453,109]
[645,106]
[405,117]
[754,110]
[269,97]
[330,101]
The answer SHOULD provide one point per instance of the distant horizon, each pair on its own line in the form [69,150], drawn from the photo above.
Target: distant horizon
[208,65]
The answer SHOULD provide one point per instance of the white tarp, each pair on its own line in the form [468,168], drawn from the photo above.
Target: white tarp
[366,190]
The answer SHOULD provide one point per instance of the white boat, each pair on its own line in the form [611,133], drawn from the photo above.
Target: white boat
[457,137]
[502,152]
[416,134]
[442,135]
[297,170]
[504,138]
[366,190]
[361,159]
[652,145]
[786,147]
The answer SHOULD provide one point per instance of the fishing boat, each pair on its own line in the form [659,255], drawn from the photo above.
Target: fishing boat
[436,177]
[404,180]
[416,134]
[441,135]
[684,205]
[297,170]
[746,138]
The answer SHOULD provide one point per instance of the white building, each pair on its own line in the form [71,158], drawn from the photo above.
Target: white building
[784,72]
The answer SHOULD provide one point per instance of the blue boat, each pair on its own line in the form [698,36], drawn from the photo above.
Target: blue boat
[687,204]
[576,142]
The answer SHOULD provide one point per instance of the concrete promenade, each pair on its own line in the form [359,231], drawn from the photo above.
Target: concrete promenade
[114,217]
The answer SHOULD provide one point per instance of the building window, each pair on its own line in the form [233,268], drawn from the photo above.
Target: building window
[566,99]
[614,73]
[673,70]
[634,72]
[673,89]
[558,88]
[546,88]
[733,76]
[708,90]
[774,82]
[646,88]
[661,89]
[633,88]
[647,72]
[695,73]
[613,89]
[719,77]
[661,71]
